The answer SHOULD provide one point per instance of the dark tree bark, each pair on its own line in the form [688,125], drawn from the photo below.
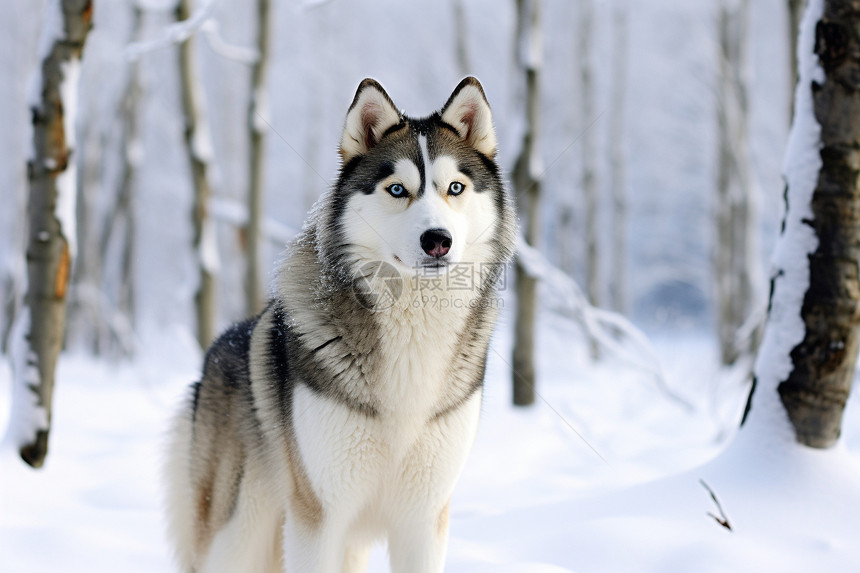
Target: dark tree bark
[527,184]
[50,244]
[817,389]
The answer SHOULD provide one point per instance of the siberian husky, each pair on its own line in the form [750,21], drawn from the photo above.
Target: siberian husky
[343,414]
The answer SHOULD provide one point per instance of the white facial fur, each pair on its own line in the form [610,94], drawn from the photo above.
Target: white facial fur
[386,228]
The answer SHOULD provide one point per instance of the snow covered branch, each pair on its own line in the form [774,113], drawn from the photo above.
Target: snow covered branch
[235,213]
[212,32]
[313,4]
[200,20]
[175,33]
[612,331]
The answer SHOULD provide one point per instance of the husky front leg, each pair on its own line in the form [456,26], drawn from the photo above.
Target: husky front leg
[309,549]
[355,559]
[418,534]
[419,543]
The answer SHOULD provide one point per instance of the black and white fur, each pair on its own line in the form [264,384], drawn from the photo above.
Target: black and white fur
[331,421]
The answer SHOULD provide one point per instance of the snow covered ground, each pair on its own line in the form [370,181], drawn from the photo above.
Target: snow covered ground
[534,497]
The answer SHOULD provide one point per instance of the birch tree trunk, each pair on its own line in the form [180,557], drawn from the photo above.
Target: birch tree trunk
[253,287]
[115,309]
[132,148]
[589,167]
[51,234]
[84,322]
[795,12]
[313,183]
[461,32]
[11,298]
[618,275]
[734,263]
[589,163]
[815,291]
[566,237]
[199,147]
[527,184]
[817,389]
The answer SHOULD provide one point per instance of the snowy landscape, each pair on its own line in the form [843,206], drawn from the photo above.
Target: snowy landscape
[534,497]
[631,460]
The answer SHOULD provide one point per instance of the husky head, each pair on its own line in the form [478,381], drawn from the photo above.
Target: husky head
[418,193]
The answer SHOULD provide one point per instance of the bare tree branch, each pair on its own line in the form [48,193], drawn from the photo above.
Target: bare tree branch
[723,519]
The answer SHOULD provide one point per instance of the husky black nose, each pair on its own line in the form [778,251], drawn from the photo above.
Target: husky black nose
[436,242]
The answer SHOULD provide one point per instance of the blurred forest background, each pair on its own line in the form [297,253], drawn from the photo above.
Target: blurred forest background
[633,95]
[655,132]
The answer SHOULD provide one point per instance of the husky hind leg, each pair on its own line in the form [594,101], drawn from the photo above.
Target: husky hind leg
[251,540]
[215,498]
[180,516]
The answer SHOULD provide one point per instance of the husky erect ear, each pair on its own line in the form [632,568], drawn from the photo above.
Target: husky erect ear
[468,111]
[371,114]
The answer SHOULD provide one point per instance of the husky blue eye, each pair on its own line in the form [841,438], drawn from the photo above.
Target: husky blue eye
[396,190]
[455,188]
